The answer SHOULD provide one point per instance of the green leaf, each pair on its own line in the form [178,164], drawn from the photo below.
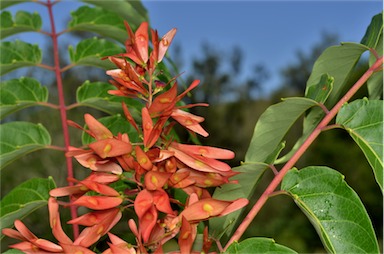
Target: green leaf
[96,95]
[320,91]
[17,94]
[115,124]
[272,126]
[24,199]
[338,62]
[257,245]
[18,54]
[373,38]
[250,174]
[90,51]
[6,3]
[20,138]
[99,20]
[374,31]
[133,11]
[24,22]
[333,208]
[375,82]
[363,119]
[13,251]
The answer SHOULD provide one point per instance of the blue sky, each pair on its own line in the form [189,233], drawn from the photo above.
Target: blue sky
[269,32]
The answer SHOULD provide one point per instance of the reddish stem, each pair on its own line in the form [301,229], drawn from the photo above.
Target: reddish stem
[279,177]
[63,112]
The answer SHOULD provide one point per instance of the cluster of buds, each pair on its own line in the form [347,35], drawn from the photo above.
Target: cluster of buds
[151,170]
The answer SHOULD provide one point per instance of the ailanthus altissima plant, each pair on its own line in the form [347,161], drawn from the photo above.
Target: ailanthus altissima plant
[170,196]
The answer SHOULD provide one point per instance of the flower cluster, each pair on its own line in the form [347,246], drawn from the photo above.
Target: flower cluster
[151,171]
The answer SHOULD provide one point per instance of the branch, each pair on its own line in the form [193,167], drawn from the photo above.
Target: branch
[279,177]
[62,106]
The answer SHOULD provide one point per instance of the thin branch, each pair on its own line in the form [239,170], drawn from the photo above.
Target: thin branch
[63,112]
[279,177]
[51,68]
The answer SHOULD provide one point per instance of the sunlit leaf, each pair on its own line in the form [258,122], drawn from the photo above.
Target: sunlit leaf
[23,22]
[250,174]
[333,208]
[257,245]
[24,199]
[338,62]
[6,3]
[374,31]
[90,51]
[20,138]
[132,11]
[99,20]
[363,119]
[13,251]
[18,54]
[17,94]
[96,95]
[320,91]
[272,126]
[115,124]
[373,38]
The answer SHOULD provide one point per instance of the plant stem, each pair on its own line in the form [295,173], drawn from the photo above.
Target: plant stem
[62,107]
[279,177]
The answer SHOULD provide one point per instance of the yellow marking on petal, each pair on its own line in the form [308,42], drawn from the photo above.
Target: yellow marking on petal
[165,42]
[141,38]
[207,208]
[92,200]
[154,180]
[199,163]
[92,161]
[148,216]
[79,252]
[208,182]
[100,230]
[54,222]
[107,149]
[165,100]
[185,235]
[83,188]
[143,160]
[203,151]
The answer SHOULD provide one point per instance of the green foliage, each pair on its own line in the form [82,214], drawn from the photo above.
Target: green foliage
[257,245]
[17,94]
[18,54]
[24,199]
[132,11]
[21,138]
[363,119]
[272,126]
[338,62]
[98,20]
[90,52]
[333,208]
[320,91]
[373,38]
[95,95]
[23,22]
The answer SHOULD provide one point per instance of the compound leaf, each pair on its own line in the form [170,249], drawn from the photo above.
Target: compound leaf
[20,138]
[24,22]
[99,20]
[363,119]
[90,51]
[24,199]
[134,11]
[334,209]
[18,54]
[17,94]
[96,95]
